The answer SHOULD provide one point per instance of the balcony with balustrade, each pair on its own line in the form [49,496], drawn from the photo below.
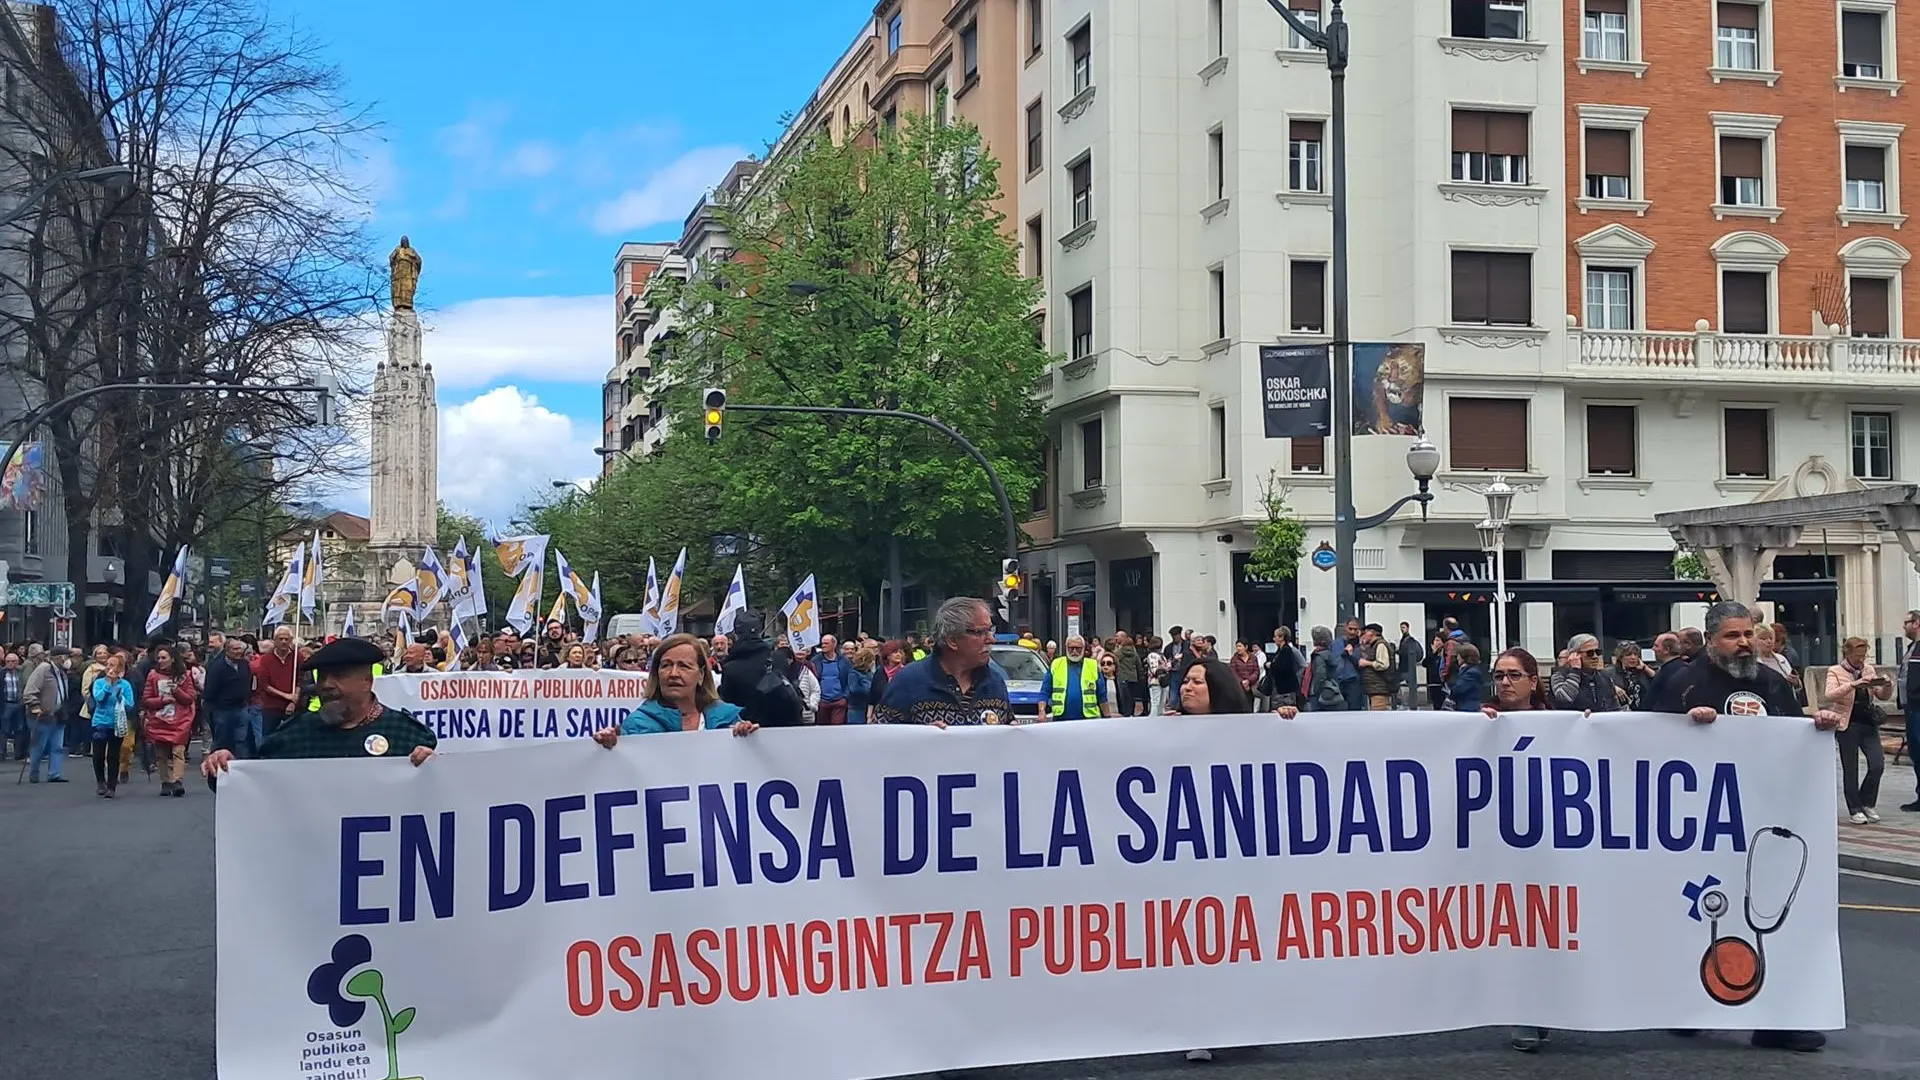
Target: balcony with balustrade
[1830,359]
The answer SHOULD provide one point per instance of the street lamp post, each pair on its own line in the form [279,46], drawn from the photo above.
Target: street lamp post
[1332,40]
[1493,537]
[31,203]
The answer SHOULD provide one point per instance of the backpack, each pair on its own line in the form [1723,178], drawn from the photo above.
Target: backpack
[780,703]
[1394,674]
[1323,683]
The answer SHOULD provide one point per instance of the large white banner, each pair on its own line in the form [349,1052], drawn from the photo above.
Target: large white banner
[487,710]
[841,903]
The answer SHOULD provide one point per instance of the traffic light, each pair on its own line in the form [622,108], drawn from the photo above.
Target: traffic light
[715,410]
[1006,591]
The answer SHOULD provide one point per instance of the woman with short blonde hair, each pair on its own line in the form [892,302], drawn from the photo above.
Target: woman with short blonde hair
[1859,730]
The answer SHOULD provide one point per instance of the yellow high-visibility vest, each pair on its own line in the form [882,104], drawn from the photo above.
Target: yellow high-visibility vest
[1089,689]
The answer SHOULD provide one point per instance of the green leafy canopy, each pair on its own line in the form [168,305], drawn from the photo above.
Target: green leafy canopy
[873,275]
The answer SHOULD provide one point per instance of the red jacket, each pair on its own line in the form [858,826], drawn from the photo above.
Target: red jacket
[168,718]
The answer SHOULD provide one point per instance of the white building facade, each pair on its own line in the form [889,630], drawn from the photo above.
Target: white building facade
[1185,218]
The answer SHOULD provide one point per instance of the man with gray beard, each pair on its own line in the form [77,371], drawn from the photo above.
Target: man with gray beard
[350,722]
[1726,678]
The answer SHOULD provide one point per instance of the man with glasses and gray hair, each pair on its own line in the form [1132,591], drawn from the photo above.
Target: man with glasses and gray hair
[958,683]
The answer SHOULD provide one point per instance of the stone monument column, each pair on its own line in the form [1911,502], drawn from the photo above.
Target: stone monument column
[406,419]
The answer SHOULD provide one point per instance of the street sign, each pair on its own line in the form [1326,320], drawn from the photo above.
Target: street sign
[41,593]
[219,571]
[1073,618]
[63,633]
[1324,557]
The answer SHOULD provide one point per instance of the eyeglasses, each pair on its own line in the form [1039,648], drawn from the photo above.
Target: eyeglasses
[1589,652]
[1509,676]
[978,631]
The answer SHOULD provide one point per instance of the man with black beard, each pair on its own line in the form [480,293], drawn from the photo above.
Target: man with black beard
[1726,678]
[350,723]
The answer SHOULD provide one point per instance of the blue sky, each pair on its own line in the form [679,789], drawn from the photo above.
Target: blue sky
[520,145]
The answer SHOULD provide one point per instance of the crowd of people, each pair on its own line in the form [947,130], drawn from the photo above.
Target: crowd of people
[275,697]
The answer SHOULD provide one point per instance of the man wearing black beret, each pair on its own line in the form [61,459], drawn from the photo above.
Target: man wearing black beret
[350,723]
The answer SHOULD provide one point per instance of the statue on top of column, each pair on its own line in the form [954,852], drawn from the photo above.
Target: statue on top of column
[404,265]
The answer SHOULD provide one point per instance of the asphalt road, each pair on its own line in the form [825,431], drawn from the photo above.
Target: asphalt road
[108,973]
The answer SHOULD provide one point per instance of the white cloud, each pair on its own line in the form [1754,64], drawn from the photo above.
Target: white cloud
[669,193]
[501,451]
[548,338]
[530,159]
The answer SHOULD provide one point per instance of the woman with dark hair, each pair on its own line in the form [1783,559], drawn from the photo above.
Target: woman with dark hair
[167,704]
[1517,687]
[680,696]
[1210,687]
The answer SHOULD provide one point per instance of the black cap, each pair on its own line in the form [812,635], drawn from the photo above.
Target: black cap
[345,653]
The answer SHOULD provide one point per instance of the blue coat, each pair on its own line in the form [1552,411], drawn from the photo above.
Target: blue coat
[1469,689]
[104,692]
[658,718]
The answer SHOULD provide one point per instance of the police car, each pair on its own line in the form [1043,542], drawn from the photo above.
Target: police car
[1025,671]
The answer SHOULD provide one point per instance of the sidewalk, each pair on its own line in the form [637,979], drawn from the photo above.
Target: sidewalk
[1891,847]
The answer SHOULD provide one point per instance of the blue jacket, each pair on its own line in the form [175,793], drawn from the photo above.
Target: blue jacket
[105,692]
[1469,689]
[657,718]
[835,675]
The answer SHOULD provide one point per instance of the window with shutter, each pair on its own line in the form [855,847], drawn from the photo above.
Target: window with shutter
[1612,440]
[1745,303]
[1304,153]
[1604,30]
[1309,306]
[1488,434]
[1489,147]
[1093,453]
[1860,44]
[1080,307]
[1510,289]
[1870,306]
[1866,178]
[1609,163]
[1036,135]
[1742,171]
[1748,442]
[1736,36]
[1309,454]
[1470,287]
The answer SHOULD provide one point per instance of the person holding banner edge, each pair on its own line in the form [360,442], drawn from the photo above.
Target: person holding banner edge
[680,697]
[1517,688]
[1725,677]
[350,723]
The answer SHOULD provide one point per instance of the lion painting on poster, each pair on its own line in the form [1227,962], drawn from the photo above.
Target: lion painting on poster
[1389,384]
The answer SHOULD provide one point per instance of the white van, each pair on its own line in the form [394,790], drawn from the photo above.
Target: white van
[621,625]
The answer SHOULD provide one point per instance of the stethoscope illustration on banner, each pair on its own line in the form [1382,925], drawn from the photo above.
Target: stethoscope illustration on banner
[1732,970]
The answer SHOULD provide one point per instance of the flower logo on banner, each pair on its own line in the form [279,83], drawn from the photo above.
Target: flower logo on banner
[345,999]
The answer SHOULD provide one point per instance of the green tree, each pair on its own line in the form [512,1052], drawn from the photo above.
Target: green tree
[654,507]
[1279,540]
[867,276]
